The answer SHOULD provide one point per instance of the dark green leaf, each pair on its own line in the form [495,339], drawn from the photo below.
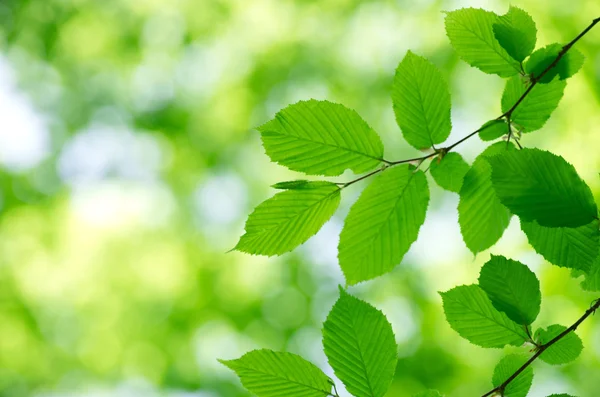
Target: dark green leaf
[538,185]
[512,288]
[289,218]
[520,386]
[481,215]
[449,171]
[567,66]
[361,347]
[274,374]
[421,102]
[516,33]
[321,138]
[470,312]
[383,223]
[471,33]
[533,112]
[493,129]
[564,351]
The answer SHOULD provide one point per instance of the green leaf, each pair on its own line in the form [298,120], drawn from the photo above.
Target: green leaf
[516,33]
[450,171]
[294,185]
[360,346]
[562,352]
[428,393]
[512,288]
[537,107]
[383,223]
[574,248]
[421,102]
[470,312]
[321,138]
[540,60]
[481,215]
[561,395]
[273,374]
[471,33]
[592,278]
[289,218]
[493,129]
[520,386]
[538,185]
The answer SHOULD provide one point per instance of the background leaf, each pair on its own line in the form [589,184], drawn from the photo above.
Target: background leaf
[537,107]
[289,218]
[383,223]
[516,33]
[520,386]
[470,312]
[421,99]
[274,374]
[567,66]
[450,171]
[321,138]
[538,185]
[574,248]
[471,33]
[481,215]
[562,352]
[512,288]
[360,345]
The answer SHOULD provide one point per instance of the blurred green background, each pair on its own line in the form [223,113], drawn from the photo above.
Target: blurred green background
[128,165]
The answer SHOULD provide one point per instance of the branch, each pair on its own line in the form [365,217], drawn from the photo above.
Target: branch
[543,348]
[534,81]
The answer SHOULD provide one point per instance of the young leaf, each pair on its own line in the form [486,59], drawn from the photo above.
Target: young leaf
[293,185]
[273,374]
[383,223]
[481,215]
[493,129]
[471,33]
[567,66]
[574,248]
[533,112]
[421,102]
[450,171]
[562,352]
[360,346]
[516,33]
[428,393]
[512,288]
[470,312]
[289,218]
[538,185]
[321,138]
[520,386]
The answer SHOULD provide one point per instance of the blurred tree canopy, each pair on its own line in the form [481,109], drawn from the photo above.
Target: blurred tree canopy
[128,163]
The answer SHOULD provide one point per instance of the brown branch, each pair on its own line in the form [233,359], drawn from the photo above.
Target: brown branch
[543,348]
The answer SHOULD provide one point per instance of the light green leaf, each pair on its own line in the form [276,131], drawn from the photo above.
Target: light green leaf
[493,129]
[512,288]
[428,393]
[360,346]
[321,138]
[274,374]
[481,215]
[383,223]
[562,352]
[520,386]
[568,65]
[574,248]
[421,102]
[470,312]
[289,218]
[538,185]
[471,33]
[516,33]
[450,171]
[537,107]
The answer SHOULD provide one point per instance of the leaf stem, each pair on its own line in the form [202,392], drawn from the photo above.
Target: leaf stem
[506,115]
[544,347]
